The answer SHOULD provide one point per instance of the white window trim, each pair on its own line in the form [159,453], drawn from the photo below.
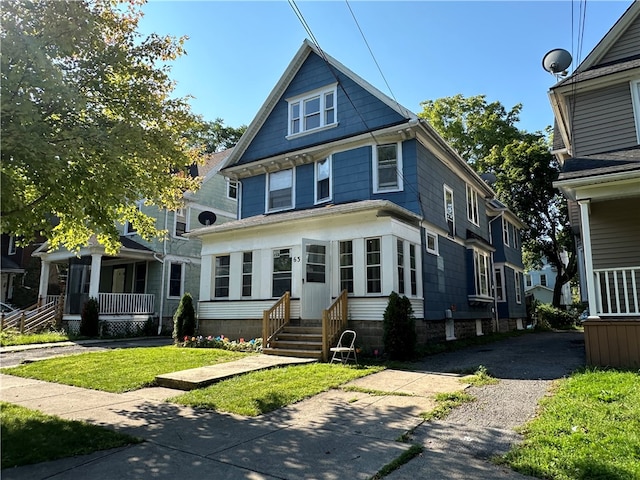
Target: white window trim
[399,170]
[448,189]
[181,280]
[11,248]
[635,100]
[367,265]
[293,192]
[300,99]
[186,213]
[517,280]
[216,276]
[472,201]
[428,233]
[125,231]
[476,273]
[315,181]
[502,298]
[236,184]
[505,232]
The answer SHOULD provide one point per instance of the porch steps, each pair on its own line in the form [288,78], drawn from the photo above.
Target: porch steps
[303,341]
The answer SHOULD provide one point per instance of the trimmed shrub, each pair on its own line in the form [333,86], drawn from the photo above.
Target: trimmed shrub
[551,317]
[399,336]
[89,318]
[184,320]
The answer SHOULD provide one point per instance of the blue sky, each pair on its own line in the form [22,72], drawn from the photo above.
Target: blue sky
[238,50]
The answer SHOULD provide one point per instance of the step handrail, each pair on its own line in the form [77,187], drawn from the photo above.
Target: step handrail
[275,318]
[334,321]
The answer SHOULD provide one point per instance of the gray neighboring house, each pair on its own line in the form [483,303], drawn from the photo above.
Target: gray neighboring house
[146,279]
[597,141]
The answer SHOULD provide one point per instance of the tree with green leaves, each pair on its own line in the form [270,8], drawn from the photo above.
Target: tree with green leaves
[184,320]
[89,126]
[216,136]
[485,134]
[399,328]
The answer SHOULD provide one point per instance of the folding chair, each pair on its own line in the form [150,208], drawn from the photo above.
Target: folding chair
[345,350]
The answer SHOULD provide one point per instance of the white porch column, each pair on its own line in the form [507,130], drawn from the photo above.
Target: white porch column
[94,281]
[44,280]
[588,259]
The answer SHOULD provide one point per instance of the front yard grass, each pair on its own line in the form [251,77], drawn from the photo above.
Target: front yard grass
[121,370]
[589,428]
[11,336]
[29,436]
[263,391]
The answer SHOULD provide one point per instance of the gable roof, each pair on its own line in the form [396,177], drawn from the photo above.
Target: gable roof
[289,74]
[591,67]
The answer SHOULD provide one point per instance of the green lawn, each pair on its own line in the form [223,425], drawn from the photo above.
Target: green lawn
[589,429]
[29,436]
[121,370]
[11,336]
[264,391]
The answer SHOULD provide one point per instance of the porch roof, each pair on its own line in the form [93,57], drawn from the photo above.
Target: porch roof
[384,208]
[130,249]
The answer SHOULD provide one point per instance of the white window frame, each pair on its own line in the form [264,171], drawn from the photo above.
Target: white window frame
[11,248]
[280,251]
[373,266]
[300,101]
[128,227]
[480,269]
[185,213]
[181,265]
[505,232]
[413,270]
[499,286]
[247,272]
[450,214]
[219,274]
[348,267]
[635,100]
[543,279]
[268,191]
[517,282]
[473,210]
[316,180]
[528,281]
[430,234]
[232,184]
[400,260]
[399,186]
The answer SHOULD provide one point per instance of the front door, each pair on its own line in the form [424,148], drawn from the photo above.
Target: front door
[316,280]
[117,284]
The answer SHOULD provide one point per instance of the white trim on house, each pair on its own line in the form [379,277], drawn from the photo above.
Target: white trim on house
[398,185]
[298,115]
[635,101]
[317,179]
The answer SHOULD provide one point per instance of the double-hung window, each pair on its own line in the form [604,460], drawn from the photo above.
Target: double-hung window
[481,272]
[472,206]
[323,180]
[11,249]
[400,248]
[517,277]
[374,266]
[449,213]
[346,266]
[505,232]
[387,168]
[413,269]
[221,274]
[280,190]
[181,218]
[281,280]
[232,189]
[176,280]
[312,111]
[635,97]
[499,285]
[247,273]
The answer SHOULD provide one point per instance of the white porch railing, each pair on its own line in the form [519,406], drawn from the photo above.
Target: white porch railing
[617,291]
[126,303]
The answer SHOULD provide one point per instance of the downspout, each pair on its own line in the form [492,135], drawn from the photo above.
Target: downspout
[493,278]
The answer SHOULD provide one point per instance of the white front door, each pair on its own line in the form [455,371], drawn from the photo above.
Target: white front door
[118,280]
[316,280]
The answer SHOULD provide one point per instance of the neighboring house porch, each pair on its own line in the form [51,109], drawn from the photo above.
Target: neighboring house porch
[119,283]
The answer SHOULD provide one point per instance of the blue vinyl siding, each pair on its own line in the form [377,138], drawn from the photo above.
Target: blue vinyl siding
[253,196]
[305,186]
[511,309]
[371,113]
[505,253]
[352,175]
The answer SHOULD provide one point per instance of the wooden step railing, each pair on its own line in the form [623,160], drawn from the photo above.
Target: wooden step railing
[334,321]
[31,319]
[275,319]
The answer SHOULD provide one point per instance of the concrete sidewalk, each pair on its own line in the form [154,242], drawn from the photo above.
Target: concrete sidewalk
[334,434]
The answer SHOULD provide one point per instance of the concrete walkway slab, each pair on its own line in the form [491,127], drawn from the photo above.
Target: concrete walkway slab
[203,376]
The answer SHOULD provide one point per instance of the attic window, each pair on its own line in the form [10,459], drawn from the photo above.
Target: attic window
[635,97]
[312,111]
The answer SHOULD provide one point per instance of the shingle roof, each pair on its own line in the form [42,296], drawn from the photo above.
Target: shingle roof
[601,164]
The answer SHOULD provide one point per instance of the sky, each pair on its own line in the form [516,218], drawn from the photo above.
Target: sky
[422,50]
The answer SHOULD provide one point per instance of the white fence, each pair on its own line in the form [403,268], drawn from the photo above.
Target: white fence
[618,291]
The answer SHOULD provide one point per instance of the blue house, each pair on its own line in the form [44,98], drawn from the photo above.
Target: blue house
[345,196]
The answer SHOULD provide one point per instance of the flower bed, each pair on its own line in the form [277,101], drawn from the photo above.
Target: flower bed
[253,345]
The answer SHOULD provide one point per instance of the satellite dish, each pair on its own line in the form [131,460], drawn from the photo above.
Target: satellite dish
[489,178]
[207,218]
[557,61]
